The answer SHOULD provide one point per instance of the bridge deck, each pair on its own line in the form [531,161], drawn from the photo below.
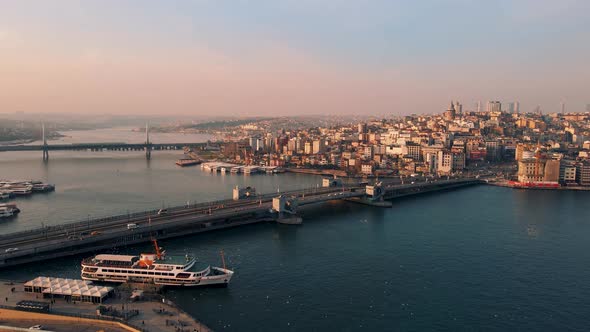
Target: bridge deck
[87,146]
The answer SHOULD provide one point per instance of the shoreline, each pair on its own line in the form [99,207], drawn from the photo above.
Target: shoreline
[562,188]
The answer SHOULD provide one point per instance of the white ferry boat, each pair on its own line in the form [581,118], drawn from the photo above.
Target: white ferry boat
[157,268]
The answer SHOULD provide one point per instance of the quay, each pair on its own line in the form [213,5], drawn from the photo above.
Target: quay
[57,241]
[122,311]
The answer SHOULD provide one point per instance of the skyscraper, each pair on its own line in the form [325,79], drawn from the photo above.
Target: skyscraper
[494,106]
[458,108]
[562,107]
[516,107]
[510,107]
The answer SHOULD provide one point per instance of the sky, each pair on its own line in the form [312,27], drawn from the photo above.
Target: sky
[291,57]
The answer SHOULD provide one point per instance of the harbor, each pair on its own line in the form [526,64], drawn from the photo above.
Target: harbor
[10,189]
[225,168]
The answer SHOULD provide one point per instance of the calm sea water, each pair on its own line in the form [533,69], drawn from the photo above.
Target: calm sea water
[476,259]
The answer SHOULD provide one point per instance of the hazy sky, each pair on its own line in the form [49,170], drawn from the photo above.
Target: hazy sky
[291,57]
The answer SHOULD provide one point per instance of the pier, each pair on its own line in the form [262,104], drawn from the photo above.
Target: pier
[104,234]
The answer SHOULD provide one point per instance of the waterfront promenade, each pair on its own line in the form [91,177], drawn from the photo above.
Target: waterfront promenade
[152,315]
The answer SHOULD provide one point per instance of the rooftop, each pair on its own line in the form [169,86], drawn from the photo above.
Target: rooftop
[119,258]
[173,259]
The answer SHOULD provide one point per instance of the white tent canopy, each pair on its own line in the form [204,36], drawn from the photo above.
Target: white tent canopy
[68,287]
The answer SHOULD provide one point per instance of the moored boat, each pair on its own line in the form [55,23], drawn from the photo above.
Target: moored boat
[10,206]
[187,162]
[157,268]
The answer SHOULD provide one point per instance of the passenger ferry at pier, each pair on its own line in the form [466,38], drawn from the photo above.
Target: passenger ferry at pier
[157,268]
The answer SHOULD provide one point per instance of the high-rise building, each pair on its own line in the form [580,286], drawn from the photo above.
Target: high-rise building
[516,107]
[362,128]
[510,108]
[308,148]
[458,108]
[318,146]
[494,106]
[449,162]
[562,107]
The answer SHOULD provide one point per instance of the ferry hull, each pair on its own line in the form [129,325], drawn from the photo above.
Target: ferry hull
[220,279]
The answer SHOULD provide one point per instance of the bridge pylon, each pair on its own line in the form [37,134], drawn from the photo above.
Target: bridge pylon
[148,145]
[45,147]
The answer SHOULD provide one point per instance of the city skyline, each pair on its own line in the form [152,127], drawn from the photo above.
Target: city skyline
[290,57]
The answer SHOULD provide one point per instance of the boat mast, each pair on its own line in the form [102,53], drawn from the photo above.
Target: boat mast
[222,259]
[158,253]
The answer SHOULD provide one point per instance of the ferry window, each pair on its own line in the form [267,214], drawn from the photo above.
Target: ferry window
[158,273]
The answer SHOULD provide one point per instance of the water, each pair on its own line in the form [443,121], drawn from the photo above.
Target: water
[480,258]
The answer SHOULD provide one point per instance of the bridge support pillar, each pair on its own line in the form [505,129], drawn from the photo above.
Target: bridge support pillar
[375,192]
[286,207]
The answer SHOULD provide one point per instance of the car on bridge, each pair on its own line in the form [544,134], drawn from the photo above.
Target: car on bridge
[132,226]
[11,250]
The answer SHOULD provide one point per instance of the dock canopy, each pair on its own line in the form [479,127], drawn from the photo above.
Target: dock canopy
[70,289]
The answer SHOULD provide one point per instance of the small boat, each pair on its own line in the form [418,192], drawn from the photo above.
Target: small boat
[8,210]
[187,162]
[18,190]
[4,195]
[43,187]
[10,206]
